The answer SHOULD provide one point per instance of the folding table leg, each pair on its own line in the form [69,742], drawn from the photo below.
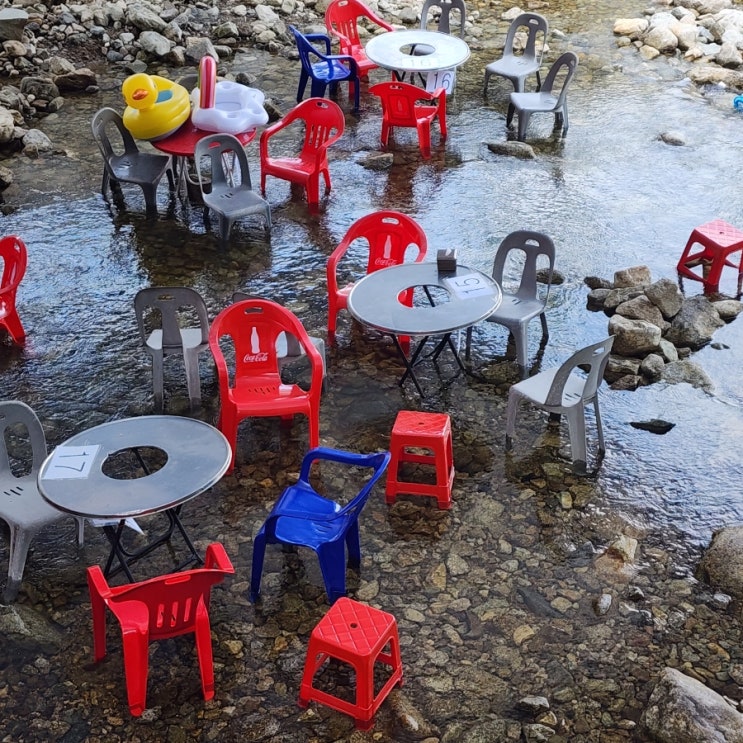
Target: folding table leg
[410,362]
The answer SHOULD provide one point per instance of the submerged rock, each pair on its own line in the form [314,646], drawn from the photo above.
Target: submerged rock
[683,710]
[656,425]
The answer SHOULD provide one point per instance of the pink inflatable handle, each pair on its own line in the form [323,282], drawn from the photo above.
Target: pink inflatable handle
[207,81]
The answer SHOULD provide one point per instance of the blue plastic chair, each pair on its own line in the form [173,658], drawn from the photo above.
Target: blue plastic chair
[303,517]
[325,69]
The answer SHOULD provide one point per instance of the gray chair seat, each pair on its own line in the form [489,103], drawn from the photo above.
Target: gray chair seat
[224,179]
[123,161]
[551,98]
[21,505]
[526,40]
[565,391]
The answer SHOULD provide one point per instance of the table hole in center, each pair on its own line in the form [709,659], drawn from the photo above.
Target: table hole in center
[420,50]
[425,295]
[134,463]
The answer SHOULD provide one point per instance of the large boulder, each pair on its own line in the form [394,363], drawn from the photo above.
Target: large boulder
[12,24]
[686,371]
[641,308]
[633,337]
[695,323]
[684,710]
[722,563]
[666,296]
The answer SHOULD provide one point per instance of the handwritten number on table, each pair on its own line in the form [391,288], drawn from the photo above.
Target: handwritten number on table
[69,462]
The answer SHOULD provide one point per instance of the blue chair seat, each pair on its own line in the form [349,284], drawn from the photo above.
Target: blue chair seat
[303,517]
[323,68]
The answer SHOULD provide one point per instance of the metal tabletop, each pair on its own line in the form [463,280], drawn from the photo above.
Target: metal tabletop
[71,477]
[393,50]
[374,301]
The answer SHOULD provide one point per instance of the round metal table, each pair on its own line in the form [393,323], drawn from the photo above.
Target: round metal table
[374,301]
[393,51]
[72,477]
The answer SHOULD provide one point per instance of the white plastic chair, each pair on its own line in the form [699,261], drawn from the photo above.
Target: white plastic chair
[515,66]
[288,348]
[565,391]
[128,165]
[551,98]
[517,309]
[173,304]
[225,184]
[21,504]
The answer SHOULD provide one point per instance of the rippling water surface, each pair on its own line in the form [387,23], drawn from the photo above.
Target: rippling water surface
[611,195]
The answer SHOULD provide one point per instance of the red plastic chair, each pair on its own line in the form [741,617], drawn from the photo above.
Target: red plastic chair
[389,235]
[255,388]
[157,609]
[342,21]
[14,257]
[323,123]
[401,107]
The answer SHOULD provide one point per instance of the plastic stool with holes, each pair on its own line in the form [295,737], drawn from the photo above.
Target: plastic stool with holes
[359,635]
[718,240]
[430,431]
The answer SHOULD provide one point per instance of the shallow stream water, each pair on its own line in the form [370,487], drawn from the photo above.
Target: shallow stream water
[611,195]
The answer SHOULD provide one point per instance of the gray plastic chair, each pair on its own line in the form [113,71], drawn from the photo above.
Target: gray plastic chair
[517,309]
[125,163]
[225,185]
[288,348]
[21,504]
[443,26]
[446,6]
[565,391]
[160,311]
[517,66]
[548,99]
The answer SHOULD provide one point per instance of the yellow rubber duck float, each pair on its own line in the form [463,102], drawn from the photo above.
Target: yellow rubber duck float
[155,106]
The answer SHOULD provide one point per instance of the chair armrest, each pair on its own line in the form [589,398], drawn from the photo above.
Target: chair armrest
[331,267]
[343,457]
[439,95]
[320,37]
[343,40]
[98,582]
[352,64]
[216,557]
[380,21]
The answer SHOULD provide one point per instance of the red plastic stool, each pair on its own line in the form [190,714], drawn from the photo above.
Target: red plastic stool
[356,634]
[430,431]
[718,240]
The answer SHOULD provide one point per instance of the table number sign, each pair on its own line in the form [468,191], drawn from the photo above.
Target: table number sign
[468,285]
[70,462]
[441,79]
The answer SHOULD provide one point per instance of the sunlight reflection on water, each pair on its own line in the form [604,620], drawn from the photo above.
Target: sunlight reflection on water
[611,195]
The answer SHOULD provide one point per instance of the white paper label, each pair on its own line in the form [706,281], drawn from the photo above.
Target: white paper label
[70,462]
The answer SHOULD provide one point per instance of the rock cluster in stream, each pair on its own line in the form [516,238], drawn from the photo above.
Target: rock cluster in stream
[656,328]
[706,34]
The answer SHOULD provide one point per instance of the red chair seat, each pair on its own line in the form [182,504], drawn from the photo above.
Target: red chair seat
[718,240]
[401,106]
[157,609]
[253,387]
[323,123]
